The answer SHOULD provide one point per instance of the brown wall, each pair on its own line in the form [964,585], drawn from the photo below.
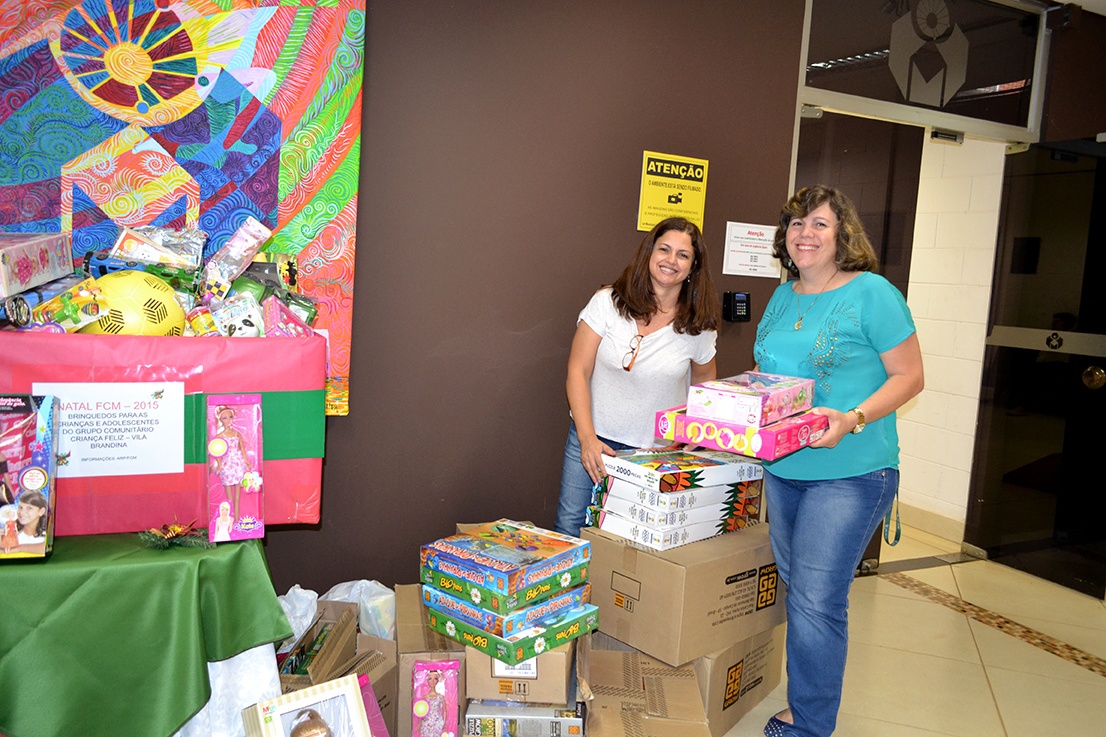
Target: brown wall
[501,155]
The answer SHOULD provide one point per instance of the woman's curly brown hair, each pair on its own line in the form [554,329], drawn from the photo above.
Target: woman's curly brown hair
[854,250]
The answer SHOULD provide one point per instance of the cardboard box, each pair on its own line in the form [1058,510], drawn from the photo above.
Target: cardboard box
[767,443]
[506,556]
[740,494]
[513,649]
[509,624]
[378,659]
[415,641]
[679,470]
[751,398]
[339,620]
[28,260]
[734,680]
[337,704]
[486,718]
[545,679]
[666,539]
[635,695]
[28,468]
[678,605]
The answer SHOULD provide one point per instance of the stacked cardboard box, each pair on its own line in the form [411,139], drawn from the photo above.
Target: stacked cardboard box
[508,589]
[720,608]
[703,597]
[757,415]
[664,499]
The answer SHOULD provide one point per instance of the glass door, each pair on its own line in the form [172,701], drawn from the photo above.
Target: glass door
[1037,493]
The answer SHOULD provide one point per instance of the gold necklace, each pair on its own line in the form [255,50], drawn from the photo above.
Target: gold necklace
[799,302]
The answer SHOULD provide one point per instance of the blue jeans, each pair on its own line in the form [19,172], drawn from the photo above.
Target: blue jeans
[576,485]
[819,530]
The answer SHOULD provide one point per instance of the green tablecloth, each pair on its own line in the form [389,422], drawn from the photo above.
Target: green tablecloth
[109,637]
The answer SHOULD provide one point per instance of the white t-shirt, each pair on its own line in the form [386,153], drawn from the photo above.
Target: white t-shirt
[624,403]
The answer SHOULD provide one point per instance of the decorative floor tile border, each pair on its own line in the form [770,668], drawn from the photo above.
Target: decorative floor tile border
[1029,635]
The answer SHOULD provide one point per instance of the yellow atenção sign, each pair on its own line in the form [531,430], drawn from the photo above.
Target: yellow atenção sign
[671,186]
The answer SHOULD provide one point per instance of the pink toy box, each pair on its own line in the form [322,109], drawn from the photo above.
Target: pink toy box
[750,398]
[28,260]
[28,463]
[766,443]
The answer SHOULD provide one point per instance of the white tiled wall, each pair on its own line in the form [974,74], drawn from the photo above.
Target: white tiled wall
[950,287]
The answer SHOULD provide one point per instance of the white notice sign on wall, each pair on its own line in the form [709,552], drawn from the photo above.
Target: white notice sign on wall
[118,428]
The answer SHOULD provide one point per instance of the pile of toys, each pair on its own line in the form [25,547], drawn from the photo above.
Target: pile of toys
[508,589]
[758,415]
[153,281]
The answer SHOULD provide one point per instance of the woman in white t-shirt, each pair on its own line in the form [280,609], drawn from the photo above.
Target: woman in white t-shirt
[639,344]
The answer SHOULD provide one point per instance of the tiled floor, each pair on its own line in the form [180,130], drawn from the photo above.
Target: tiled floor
[972,649]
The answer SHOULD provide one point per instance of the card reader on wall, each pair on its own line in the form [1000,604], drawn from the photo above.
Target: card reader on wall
[735,306]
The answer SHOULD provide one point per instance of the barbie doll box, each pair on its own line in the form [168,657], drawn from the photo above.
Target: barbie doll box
[513,649]
[750,398]
[680,470]
[416,642]
[507,557]
[739,493]
[28,260]
[505,624]
[28,464]
[680,604]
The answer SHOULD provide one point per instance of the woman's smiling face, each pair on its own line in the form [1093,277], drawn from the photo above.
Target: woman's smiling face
[672,259]
[812,240]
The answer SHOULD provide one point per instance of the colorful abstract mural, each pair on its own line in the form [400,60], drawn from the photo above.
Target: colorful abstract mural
[191,114]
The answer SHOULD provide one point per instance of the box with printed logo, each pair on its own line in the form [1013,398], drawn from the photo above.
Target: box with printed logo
[488,718]
[751,398]
[729,515]
[505,556]
[505,624]
[459,584]
[744,495]
[513,649]
[704,596]
[767,443]
[651,537]
[680,470]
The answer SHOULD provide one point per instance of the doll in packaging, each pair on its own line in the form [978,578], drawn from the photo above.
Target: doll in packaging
[434,698]
[234,477]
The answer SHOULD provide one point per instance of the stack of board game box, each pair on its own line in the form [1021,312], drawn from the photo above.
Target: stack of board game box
[765,416]
[666,498]
[508,589]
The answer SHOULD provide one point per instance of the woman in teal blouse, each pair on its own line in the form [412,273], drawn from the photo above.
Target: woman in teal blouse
[850,330]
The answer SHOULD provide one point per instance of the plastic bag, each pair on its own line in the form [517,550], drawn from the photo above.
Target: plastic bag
[376,606]
[299,606]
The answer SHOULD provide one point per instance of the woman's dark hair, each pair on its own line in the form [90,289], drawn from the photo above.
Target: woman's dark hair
[854,250]
[698,307]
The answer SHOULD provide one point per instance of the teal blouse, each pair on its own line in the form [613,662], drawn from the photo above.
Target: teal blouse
[843,333]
